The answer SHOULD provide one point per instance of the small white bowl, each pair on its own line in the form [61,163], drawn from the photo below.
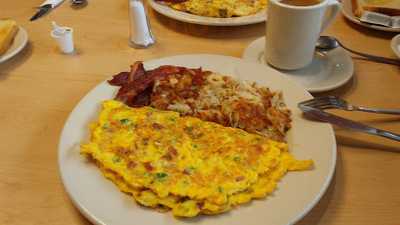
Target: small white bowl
[395,44]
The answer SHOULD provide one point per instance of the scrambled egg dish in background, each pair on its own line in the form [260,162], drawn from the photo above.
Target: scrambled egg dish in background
[170,162]
[219,8]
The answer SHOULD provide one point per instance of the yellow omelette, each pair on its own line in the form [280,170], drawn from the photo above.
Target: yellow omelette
[184,164]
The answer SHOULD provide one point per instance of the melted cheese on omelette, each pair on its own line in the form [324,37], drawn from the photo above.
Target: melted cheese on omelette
[190,166]
[220,8]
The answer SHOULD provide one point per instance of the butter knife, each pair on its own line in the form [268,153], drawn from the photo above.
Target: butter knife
[45,7]
[342,122]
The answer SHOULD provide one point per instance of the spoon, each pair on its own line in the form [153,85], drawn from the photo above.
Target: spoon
[79,3]
[326,43]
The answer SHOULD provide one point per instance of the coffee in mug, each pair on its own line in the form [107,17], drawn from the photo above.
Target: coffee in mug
[301,2]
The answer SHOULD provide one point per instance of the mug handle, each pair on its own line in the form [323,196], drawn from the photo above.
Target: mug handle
[333,7]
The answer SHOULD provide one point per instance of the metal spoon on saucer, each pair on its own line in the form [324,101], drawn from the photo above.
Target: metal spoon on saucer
[78,3]
[326,43]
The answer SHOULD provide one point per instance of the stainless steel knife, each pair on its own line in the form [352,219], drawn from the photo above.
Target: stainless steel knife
[320,115]
[45,7]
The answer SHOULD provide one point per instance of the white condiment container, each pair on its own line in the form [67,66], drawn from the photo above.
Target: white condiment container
[64,38]
[140,30]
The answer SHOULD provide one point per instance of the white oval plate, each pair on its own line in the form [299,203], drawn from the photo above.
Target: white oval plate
[326,72]
[102,203]
[348,13]
[395,45]
[203,20]
[20,41]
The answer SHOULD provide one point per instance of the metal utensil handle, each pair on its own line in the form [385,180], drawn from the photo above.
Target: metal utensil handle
[374,57]
[388,134]
[375,110]
[42,10]
[339,121]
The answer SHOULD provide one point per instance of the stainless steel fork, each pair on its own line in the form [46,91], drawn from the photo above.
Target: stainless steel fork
[332,102]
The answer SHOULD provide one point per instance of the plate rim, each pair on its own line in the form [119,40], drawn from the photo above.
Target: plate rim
[208,21]
[92,218]
[253,45]
[350,16]
[8,55]
[394,43]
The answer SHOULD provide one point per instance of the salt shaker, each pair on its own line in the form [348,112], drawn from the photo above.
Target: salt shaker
[140,30]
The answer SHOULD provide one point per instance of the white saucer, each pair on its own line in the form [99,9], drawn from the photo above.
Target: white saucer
[326,72]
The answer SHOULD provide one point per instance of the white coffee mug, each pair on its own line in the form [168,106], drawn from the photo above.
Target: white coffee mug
[292,32]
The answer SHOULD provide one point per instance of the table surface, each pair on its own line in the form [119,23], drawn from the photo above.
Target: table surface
[40,87]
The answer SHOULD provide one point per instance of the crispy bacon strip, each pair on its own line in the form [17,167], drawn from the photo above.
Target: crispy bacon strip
[136,85]
[130,90]
[137,71]
[119,79]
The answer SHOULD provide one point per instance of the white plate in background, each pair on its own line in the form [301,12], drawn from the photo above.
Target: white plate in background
[204,20]
[395,44]
[19,42]
[102,202]
[348,13]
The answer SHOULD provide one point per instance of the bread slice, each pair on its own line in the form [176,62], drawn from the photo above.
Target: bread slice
[8,30]
[387,7]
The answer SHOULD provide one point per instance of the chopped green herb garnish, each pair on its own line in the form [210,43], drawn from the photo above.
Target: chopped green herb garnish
[125,121]
[220,189]
[195,146]
[161,175]
[116,159]
[236,158]
[146,174]
[188,129]
[174,141]
[192,168]
[189,170]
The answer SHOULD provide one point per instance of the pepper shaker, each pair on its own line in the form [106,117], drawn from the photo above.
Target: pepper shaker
[140,30]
